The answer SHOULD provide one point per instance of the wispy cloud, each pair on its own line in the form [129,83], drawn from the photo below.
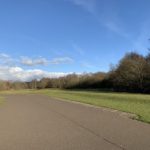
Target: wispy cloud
[43,61]
[4,56]
[5,59]
[88,65]
[88,5]
[108,17]
[61,60]
[141,43]
[111,25]
[33,62]
[78,49]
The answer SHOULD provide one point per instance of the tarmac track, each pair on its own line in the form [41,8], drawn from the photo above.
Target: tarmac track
[36,122]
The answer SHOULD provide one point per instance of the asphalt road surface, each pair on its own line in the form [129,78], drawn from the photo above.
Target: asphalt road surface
[34,122]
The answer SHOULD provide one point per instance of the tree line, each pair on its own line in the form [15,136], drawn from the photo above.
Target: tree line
[131,74]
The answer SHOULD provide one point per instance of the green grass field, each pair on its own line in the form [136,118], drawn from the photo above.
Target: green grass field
[132,103]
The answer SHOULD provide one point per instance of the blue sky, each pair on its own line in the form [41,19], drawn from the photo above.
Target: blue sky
[63,36]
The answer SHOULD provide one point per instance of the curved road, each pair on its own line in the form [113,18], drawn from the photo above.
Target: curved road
[34,122]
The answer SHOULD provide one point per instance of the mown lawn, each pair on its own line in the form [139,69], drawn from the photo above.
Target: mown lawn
[138,104]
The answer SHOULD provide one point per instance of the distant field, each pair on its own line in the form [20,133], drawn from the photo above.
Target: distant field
[133,103]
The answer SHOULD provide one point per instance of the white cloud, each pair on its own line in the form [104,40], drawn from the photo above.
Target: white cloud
[19,74]
[61,60]
[33,62]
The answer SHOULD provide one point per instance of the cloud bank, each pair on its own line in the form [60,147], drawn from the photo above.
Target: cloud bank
[12,69]
[20,74]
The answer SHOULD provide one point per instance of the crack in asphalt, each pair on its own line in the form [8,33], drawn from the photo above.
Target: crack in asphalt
[89,130]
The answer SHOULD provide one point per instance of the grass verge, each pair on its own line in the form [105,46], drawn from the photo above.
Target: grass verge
[132,103]
[138,104]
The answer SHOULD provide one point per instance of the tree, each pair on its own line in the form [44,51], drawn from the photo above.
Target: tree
[130,73]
